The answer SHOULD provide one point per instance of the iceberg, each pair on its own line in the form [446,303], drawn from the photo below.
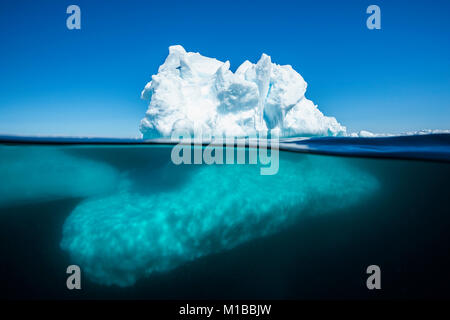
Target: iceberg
[192,91]
[134,232]
[44,173]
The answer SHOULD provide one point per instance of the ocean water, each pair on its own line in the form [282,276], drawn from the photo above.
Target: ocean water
[141,227]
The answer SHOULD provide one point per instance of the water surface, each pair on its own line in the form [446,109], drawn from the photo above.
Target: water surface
[141,227]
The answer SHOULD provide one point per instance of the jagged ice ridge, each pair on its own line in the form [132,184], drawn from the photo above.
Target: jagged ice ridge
[192,91]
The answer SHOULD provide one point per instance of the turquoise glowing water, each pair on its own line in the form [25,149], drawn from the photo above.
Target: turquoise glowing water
[140,226]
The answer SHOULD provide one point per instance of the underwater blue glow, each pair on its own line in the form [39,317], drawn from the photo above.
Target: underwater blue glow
[35,174]
[139,230]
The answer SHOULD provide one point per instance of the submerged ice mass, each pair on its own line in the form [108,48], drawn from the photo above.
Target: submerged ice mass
[37,174]
[192,91]
[118,238]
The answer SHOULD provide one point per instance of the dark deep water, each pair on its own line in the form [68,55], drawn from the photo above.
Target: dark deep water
[402,225]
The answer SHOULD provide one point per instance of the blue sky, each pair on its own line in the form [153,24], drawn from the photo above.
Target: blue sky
[55,81]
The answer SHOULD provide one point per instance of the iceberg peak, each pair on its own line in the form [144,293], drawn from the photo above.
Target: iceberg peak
[190,89]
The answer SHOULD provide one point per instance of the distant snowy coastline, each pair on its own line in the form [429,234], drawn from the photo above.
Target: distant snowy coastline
[368,134]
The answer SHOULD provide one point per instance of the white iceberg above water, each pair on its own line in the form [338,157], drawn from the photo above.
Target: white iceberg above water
[192,91]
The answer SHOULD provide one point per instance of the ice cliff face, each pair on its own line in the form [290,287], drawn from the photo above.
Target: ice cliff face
[193,92]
